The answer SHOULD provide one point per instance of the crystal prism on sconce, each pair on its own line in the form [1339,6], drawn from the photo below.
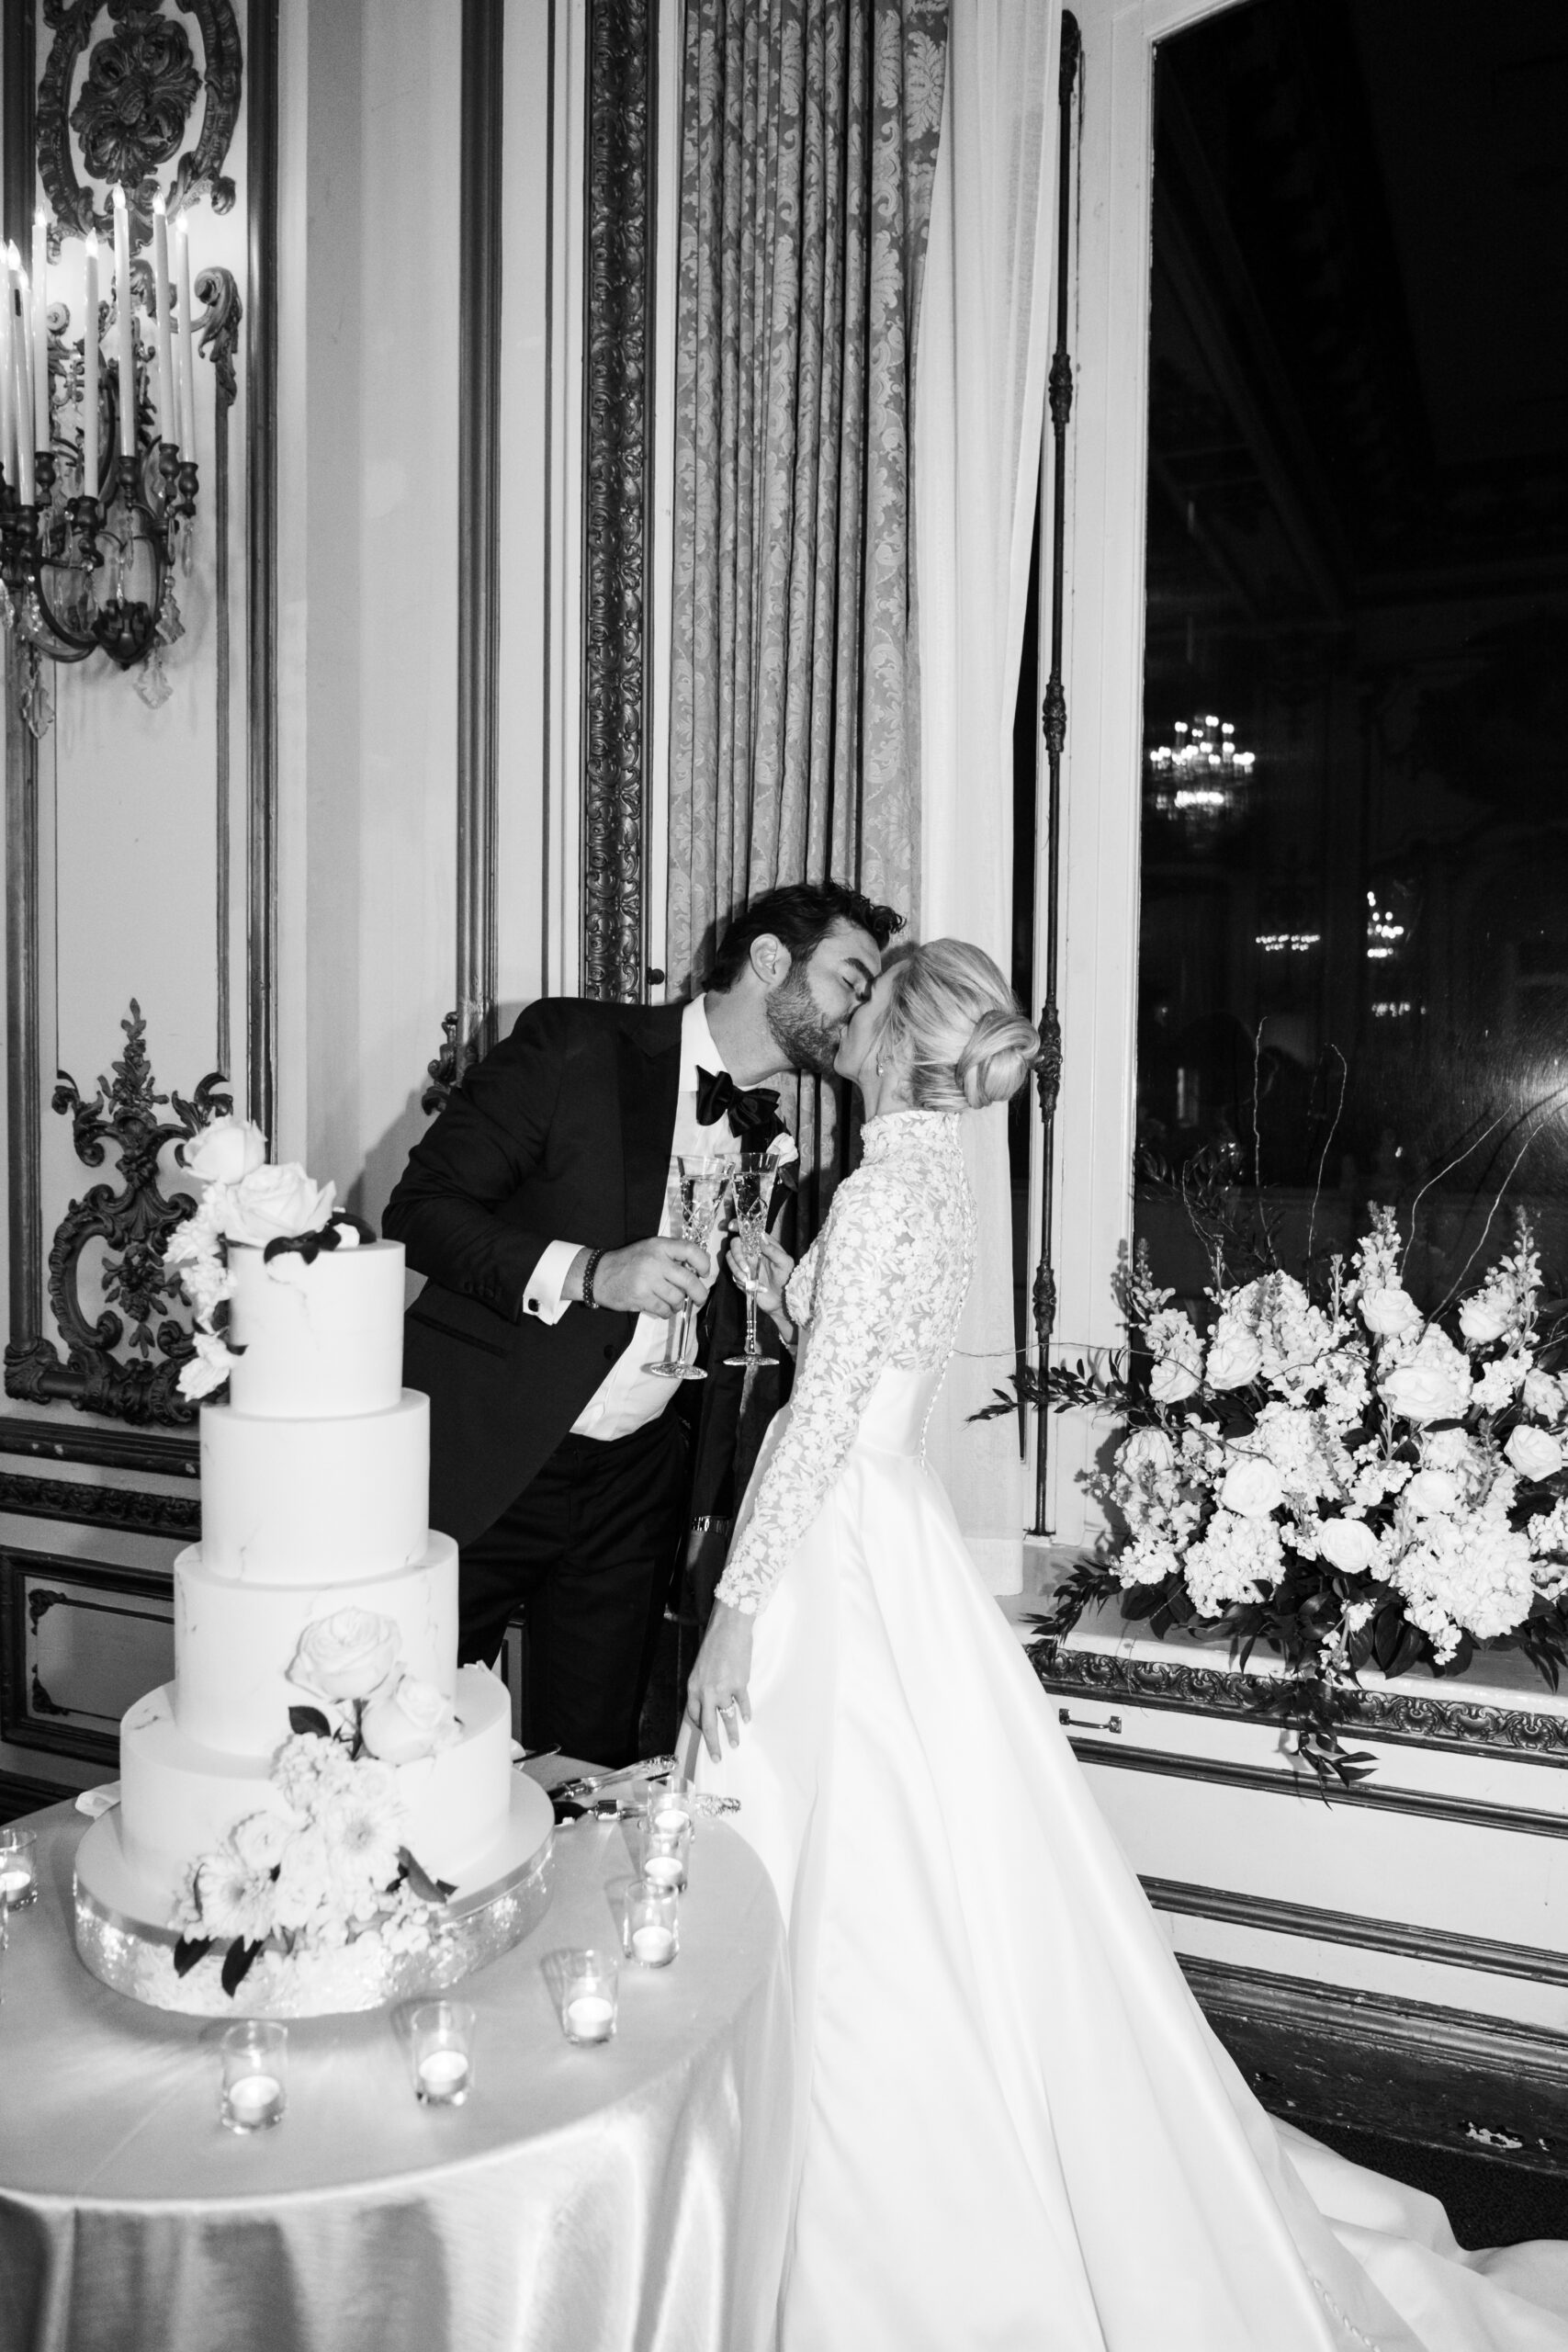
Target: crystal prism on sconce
[93,523]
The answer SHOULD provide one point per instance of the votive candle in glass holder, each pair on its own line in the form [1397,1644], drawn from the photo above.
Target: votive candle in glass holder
[663,1855]
[668,1811]
[651,1924]
[441,2052]
[588,2002]
[255,2076]
[19,1867]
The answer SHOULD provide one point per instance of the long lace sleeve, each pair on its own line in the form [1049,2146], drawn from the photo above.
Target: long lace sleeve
[857,1306]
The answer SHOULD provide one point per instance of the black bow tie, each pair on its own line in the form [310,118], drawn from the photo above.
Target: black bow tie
[753,1110]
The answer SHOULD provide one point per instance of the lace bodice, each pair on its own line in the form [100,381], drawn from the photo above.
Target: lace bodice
[883,1284]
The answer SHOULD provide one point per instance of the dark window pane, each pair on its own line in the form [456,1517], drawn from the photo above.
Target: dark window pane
[1353,981]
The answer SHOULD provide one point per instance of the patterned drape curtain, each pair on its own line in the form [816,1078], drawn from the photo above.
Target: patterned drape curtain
[808,144]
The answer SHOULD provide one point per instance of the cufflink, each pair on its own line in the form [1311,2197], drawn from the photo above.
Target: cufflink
[532,1306]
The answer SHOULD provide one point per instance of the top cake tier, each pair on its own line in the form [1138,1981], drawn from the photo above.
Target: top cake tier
[324,1341]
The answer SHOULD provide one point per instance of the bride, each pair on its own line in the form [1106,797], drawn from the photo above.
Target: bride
[1015,2132]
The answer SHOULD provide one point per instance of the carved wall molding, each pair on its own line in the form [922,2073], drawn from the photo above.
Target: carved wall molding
[1359,1930]
[133,108]
[134,1221]
[126,1509]
[1411,1718]
[619,348]
[261,601]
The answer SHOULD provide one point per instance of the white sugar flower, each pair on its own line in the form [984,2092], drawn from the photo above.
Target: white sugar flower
[275,1203]
[234,1898]
[350,1655]
[409,1720]
[224,1151]
[208,1368]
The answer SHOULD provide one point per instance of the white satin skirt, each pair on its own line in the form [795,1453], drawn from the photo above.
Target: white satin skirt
[1015,2132]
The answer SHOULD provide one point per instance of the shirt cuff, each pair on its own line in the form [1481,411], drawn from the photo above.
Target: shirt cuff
[542,1300]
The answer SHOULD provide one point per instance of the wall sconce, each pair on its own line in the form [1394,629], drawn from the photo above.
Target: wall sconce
[91,527]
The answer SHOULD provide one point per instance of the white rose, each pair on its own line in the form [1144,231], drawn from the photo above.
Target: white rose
[260,1839]
[1432,1494]
[224,1151]
[275,1203]
[1146,1449]
[346,1655]
[411,1721]
[1485,1318]
[1535,1454]
[1425,1391]
[1251,1487]
[1542,1396]
[1389,1311]
[1234,1357]
[1348,1544]
[1171,1381]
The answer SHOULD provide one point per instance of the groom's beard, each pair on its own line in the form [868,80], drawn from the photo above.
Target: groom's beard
[801,1031]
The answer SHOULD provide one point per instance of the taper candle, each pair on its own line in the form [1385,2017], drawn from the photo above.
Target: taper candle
[168,422]
[125,348]
[43,436]
[7,392]
[22,377]
[187,347]
[90,371]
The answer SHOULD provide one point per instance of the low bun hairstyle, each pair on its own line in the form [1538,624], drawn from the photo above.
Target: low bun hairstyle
[955,1028]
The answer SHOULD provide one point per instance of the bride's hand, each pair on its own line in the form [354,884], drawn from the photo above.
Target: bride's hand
[716,1689]
[772,1273]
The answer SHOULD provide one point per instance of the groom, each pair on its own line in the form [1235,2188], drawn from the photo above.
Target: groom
[536,1206]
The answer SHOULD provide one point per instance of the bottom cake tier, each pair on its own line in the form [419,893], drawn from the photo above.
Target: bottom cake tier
[121,1936]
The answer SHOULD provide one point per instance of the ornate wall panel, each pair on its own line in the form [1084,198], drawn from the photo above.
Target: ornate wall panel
[141,824]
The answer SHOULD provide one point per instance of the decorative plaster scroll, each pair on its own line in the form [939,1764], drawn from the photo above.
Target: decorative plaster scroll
[1417,1718]
[619,337]
[133,108]
[134,1222]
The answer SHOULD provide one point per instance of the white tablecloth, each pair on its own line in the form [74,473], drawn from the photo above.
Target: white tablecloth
[628,2196]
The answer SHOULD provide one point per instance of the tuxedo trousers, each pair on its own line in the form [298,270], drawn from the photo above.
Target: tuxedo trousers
[585,1549]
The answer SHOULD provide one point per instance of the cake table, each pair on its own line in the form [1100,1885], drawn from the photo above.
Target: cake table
[632,2194]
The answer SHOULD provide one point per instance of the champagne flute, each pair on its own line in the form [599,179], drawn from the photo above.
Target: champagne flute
[703,1185]
[752,1191]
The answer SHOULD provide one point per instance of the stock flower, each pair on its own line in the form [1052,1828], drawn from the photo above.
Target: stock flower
[1235,1559]
[224,1151]
[1543,1395]
[208,1368]
[349,1655]
[304,1885]
[1534,1454]
[1348,1544]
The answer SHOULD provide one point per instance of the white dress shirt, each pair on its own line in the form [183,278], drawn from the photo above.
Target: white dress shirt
[628,1399]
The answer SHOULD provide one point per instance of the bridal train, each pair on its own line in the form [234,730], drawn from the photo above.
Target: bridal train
[1015,2132]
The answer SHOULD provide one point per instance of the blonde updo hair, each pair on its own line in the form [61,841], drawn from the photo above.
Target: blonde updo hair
[954,1028]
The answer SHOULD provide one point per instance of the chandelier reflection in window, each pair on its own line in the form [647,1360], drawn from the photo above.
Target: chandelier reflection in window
[1200,781]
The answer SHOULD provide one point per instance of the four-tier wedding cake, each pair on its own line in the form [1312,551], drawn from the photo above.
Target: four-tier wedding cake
[320,1812]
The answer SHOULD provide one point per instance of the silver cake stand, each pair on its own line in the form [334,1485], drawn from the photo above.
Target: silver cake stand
[495,1906]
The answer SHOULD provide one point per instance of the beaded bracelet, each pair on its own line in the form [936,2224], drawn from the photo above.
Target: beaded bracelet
[589,1270]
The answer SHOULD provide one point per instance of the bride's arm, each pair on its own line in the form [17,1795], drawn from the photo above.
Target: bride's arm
[863,1261]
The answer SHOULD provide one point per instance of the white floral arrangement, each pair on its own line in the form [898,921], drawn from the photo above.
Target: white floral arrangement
[244,1199]
[1342,1477]
[326,1864]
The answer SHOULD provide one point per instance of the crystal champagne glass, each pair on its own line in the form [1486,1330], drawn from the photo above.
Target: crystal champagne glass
[752,1191]
[703,1186]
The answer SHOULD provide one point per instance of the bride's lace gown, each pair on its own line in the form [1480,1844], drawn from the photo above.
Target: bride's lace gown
[1015,2132]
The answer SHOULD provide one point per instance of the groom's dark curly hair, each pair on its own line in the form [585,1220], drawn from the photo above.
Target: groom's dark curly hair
[800,914]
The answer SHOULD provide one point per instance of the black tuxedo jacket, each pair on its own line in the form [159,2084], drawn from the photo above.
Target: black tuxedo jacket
[563,1132]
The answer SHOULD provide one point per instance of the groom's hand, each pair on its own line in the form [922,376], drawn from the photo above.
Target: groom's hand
[647,1277]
